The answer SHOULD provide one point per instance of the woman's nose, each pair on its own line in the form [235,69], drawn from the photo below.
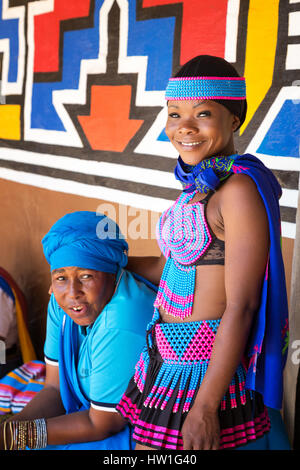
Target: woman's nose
[74,290]
[187,127]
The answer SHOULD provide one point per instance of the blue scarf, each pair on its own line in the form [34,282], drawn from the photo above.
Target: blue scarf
[205,176]
[72,397]
[88,240]
[268,342]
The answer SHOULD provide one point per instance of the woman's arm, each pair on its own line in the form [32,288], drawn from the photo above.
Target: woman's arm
[150,267]
[246,244]
[82,426]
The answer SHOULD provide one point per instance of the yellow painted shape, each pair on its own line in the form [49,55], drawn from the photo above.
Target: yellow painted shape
[10,123]
[261,44]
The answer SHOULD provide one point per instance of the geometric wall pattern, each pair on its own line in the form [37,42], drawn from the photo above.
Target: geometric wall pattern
[82,106]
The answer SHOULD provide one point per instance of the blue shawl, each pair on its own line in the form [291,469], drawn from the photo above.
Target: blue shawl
[72,397]
[268,341]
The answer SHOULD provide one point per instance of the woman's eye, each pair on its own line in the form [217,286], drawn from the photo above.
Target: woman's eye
[60,278]
[204,114]
[86,276]
[173,115]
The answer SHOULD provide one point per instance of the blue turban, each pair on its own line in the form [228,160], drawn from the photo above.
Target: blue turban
[88,240]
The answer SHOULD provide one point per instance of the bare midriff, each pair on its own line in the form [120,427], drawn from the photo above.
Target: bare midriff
[209,297]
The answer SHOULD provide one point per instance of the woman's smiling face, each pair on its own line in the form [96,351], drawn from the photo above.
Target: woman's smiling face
[200,129]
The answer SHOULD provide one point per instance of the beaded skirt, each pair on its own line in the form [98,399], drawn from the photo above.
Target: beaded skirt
[166,381]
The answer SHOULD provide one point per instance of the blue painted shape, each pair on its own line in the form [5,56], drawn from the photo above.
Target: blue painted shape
[9,29]
[283,137]
[153,38]
[77,45]
[163,136]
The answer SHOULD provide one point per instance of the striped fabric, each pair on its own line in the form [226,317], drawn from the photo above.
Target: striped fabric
[19,386]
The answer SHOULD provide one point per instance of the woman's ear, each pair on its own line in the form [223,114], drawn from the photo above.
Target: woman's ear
[235,123]
[50,291]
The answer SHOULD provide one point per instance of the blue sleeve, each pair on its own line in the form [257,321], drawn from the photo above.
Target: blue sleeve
[114,355]
[51,346]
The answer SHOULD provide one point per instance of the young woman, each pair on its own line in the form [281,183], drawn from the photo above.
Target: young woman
[213,359]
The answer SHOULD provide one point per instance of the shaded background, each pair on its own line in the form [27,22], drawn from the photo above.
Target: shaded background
[82,118]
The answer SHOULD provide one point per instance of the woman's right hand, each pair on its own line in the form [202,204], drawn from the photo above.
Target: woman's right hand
[201,430]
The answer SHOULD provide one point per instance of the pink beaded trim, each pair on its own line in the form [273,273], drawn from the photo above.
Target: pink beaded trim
[207,78]
[205,98]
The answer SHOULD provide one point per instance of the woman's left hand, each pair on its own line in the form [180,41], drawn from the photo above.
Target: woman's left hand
[201,430]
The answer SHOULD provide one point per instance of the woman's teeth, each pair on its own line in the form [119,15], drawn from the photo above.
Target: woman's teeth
[190,144]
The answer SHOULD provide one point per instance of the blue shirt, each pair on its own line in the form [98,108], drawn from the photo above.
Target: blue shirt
[109,348]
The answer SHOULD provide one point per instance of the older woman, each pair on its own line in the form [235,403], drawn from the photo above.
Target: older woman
[97,316]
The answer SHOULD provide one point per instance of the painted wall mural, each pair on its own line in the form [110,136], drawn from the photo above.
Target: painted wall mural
[82,91]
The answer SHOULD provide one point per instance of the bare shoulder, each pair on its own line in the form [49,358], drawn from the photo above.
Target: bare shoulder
[239,183]
[240,190]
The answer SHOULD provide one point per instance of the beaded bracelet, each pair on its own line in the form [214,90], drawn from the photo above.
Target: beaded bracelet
[31,434]
[4,435]
[11,440]
[41,430]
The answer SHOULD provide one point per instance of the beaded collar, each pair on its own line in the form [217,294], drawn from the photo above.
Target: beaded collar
[206,175]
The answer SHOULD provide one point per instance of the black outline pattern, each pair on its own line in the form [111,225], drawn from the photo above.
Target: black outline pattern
[288,179]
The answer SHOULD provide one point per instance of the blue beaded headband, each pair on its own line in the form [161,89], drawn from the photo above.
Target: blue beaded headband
[213,88]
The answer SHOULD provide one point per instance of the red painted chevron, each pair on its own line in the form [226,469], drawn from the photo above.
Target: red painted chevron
[203,29]
[109,127]
[47,32]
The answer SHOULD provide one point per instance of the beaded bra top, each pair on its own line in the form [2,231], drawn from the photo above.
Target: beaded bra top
[184,233]
[185,239]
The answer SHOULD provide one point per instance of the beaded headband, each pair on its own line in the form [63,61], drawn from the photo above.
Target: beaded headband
[213,88]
